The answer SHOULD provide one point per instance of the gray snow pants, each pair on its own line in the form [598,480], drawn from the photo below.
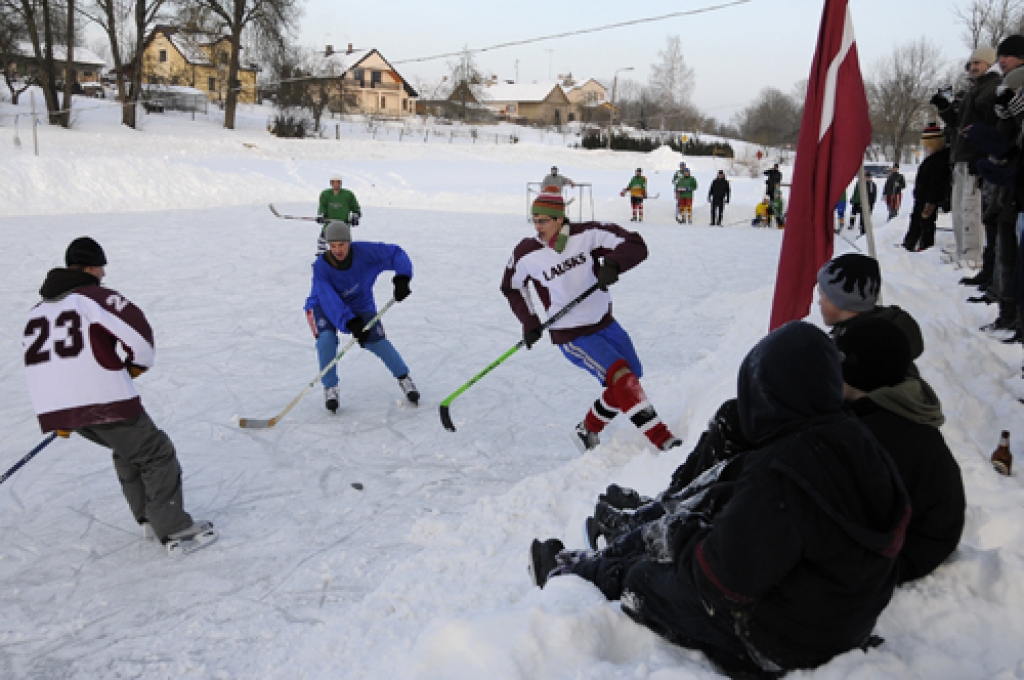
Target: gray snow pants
[147,467]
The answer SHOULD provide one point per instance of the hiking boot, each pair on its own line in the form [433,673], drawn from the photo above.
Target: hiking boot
[331,398]
[584,439]
[592,533]
[409,389]
[544,559]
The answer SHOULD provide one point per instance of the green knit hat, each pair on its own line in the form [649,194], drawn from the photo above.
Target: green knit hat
[551,205]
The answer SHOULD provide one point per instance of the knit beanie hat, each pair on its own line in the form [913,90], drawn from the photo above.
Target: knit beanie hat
[338,231]
[984,54]
[932,131]
[874,353]
[549,204]
[851,282]
[1012,46]
[85,252]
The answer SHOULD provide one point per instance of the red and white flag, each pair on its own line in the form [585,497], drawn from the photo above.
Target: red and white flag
[834,133]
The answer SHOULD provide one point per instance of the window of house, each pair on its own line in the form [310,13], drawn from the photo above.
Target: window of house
[383,102]
[224,58]
[163,56]
[405,104]
[213,84]
[375,78]
[357,74]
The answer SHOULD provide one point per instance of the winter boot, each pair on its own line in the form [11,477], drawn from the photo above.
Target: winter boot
[409,388]
[543,559]
[331,398]
[584,439]
[188,540]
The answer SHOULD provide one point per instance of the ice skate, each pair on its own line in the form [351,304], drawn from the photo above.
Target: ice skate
[584,439]
[331,398]
[409,389]
[181,543]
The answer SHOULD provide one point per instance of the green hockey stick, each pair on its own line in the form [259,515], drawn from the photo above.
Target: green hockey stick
[252,423]
[446,418]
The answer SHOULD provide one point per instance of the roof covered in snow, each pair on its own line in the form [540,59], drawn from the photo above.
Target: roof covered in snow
[82,55]
[520,92]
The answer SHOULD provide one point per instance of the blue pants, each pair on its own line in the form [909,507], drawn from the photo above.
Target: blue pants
[378,344]
[595,353]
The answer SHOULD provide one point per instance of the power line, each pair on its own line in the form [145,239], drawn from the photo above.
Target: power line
[582,31]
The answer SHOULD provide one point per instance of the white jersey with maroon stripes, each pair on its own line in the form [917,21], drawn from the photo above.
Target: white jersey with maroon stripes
[76,377]
[561,276]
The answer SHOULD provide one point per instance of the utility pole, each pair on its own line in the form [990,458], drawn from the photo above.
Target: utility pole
[611,114]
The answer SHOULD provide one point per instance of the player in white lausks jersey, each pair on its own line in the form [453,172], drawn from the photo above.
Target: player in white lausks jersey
[563,261]
[78,382]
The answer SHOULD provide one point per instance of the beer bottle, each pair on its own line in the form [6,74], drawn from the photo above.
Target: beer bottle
[1002,459]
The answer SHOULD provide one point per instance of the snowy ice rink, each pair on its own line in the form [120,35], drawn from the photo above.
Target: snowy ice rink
[422,574]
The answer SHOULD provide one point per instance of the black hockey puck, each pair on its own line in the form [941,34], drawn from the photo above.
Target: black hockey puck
[357,486]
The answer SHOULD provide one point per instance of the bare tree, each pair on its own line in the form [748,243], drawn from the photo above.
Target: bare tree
[987,22]
[898,93]
[669,86]
[12,34]
[773,119]
[268,21]
[468,81]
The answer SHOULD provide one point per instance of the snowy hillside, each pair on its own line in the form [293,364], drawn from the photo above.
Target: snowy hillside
[422,573]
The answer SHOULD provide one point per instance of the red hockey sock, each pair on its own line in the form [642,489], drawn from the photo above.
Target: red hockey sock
[631,400]
[602,412]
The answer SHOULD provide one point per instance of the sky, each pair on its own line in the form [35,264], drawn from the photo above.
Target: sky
[735,51]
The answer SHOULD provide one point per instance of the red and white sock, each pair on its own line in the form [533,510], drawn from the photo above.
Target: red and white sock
[628,396]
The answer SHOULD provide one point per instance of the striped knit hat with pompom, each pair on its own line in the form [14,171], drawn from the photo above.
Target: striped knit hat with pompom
[548,204]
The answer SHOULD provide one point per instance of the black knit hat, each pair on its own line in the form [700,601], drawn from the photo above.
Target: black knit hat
[851,282]
[874,354]
[85,252]
[1012,46]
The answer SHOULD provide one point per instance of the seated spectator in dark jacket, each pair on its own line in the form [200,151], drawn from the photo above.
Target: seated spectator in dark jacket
[904,415]
[777,559]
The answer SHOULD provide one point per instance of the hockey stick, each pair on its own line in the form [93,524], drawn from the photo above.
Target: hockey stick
[28,456]
[289,217]
[252,423]
[446,418]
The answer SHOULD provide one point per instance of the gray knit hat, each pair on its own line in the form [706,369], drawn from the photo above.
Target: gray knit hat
[338,231]
[851,282]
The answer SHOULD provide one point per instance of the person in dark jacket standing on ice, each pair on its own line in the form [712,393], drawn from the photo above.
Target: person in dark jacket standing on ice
[718,195]
[777,559]
[563,261]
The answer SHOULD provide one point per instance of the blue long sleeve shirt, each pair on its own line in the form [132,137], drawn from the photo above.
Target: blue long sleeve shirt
[344,294]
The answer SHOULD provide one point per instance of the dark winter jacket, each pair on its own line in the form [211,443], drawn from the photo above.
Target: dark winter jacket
[719,190]
[802,556]
[895,183]
[934,180]
[928,471]
[773,181]
[977,107]
[872,193]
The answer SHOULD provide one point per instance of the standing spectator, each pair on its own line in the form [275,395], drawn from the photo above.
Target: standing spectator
[79,383]
[774,176]
[637,189]
[563,261]
[554,183]
[342,298]
[718,195]
[778,209]
[931,190]
[855,202]
[841,212]
[895,183]
[685,184]
[976,107]
[336,204]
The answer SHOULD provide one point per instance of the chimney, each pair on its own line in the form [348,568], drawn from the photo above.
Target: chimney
[329,50]
[349,48]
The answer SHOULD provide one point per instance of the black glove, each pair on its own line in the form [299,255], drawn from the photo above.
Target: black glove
[1003,97]
[942,99]
[608,273]
[353,219]
[355,327]
[531,336]
[1016,105]
[321,219]
[401,287]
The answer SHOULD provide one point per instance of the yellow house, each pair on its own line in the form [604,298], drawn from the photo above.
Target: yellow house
[362,81]
[175,56]
[589,101]
[542,103]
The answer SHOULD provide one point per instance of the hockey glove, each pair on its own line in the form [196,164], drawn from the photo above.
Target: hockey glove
[133,370]
[608,273]
[531,336]
[355,327]
[353,219]
[64,434]
[401,287]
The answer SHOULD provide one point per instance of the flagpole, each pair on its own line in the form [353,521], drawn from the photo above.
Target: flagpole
[865,214]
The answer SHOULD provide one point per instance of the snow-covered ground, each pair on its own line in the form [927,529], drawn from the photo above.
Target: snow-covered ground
[422,574]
